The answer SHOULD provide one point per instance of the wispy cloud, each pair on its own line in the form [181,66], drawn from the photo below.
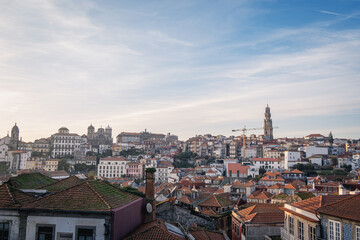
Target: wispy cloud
[76,63]
[328,12]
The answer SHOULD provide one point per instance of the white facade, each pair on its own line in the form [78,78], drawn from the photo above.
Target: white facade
[291,158]
[65,143]
[4,148]
[250,152]
[315,150]
[18,159]
[163,171]
[266,163]
[64,225]
[112,167]
[14,218]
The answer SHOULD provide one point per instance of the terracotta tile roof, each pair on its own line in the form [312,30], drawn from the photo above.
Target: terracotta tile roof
[234,167]
[262,213]
[30,181]
[164,164]
[296,171]
[260,195]
[201,234]
[311,204]
[185,199]
[348,208]
[268,178]
[62,184]
[153,231]
[289,186]
[208,211]
[276,186]
[221,190]
[12,198]
[215,201]
[94,196]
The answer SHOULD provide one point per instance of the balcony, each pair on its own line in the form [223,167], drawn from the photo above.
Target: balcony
[285,235]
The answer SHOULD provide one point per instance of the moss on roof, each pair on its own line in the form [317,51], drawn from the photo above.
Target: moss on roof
[30,181]
[305,195]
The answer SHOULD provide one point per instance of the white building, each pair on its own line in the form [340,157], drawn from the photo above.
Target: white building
[65,143]
[227,161]
[266,163]
[315,150]
[250,152]
[291,158]
[18,159]
[163,170]
[112,167]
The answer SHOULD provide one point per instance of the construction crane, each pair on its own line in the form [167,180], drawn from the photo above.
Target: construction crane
[244,141]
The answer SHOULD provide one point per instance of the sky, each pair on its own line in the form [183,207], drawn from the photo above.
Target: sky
[186,67]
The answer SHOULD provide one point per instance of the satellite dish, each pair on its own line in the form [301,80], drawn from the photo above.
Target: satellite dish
[149,208]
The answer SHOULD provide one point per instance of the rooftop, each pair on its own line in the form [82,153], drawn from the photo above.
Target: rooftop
[93,196]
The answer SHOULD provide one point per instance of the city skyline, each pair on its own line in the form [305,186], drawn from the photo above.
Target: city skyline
[187,68]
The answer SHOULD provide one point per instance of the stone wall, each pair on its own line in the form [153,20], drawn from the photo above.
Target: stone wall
[173,213]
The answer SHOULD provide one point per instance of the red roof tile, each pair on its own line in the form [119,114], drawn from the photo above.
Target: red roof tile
[348,208]
[234,167]
[201,234]
[12,198]
[94,196]
[262,213]
[153,231]
[215,201]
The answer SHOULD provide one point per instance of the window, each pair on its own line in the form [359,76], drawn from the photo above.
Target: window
[301,230]
[45,232]
[4,231]
[334,230]
[85,233]
[357,233]
[291,225]
[312,233]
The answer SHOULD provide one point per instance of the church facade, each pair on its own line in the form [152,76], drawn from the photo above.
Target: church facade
[100,137]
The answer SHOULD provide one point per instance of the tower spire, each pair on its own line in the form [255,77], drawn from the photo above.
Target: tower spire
[268,128]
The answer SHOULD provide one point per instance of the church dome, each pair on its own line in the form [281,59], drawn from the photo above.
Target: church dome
[15,128]
[108,127]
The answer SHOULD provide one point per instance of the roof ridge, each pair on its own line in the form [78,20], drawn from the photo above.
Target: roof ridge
[9,193]
[58,181]
[217,199]
[102,199]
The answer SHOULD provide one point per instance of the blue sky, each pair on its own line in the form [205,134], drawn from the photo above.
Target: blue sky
[186,67]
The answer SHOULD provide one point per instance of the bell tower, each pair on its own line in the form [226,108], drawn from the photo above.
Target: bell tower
[14,141]
[268,128]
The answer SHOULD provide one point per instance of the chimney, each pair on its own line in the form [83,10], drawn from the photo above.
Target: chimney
[150,195]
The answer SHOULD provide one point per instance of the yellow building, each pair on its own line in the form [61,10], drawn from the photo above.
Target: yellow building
[51,165]
[31,164]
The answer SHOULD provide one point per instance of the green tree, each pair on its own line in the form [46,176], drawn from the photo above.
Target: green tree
[262,171]
[91,175]
[334,161]
[64,165]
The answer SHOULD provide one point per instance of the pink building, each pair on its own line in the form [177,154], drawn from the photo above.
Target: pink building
[134,170]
